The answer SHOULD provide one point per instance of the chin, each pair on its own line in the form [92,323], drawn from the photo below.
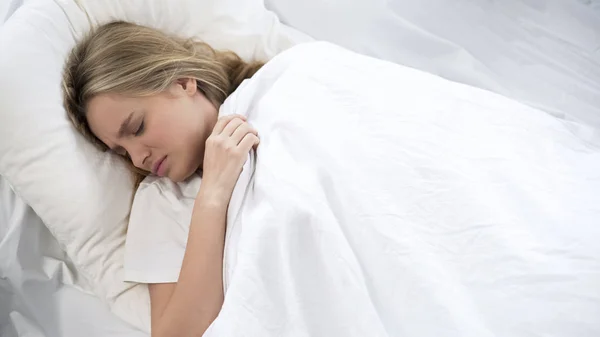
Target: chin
[183,175]
[177,177]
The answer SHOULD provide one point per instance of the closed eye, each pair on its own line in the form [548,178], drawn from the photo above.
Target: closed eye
[140,129]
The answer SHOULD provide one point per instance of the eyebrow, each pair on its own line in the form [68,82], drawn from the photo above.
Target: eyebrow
[124,125]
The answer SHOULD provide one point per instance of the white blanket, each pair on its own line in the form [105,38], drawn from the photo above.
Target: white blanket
[384,201]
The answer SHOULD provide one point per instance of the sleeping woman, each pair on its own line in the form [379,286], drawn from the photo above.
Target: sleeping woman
[154,99]
[378,200]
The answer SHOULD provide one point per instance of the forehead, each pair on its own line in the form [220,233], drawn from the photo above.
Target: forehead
[105,113]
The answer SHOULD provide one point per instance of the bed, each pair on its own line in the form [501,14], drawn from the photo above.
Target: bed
[38,295]
[543,53]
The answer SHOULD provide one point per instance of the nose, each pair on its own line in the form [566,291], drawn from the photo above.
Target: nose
[139,155]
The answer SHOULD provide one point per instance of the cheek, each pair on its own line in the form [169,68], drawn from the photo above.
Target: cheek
[159,134]
[174,135]
[181,126]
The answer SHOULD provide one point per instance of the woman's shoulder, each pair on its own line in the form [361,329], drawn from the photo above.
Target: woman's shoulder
[301,57]
[312,48]
[315,51]
[301,51]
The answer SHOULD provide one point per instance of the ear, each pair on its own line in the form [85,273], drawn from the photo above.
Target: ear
[188,85]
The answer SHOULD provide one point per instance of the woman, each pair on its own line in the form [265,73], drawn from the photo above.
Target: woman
[153,99]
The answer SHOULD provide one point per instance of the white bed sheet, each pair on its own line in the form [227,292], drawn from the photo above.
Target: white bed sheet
[7,7]
[37,296]
[544,52]
[381,213]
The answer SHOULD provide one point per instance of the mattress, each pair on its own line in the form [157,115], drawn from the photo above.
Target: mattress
[543,53]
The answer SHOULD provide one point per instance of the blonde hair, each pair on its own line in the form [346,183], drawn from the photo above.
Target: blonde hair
[134,60]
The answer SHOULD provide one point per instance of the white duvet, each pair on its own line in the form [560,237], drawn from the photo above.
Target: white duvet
[384,201]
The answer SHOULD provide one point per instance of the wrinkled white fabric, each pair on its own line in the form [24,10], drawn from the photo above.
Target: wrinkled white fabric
[545,53]
[384,201]
[40,293]
[158,229]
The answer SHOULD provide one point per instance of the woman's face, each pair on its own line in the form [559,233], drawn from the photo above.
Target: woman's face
[164,134]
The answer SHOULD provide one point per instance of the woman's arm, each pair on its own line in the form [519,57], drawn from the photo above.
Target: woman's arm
[188,307]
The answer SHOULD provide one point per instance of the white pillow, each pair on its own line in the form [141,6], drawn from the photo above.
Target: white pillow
[84,196]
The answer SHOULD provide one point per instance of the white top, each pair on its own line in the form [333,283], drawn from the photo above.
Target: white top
[158,229]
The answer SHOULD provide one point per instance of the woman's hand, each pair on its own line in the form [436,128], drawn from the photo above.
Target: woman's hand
[225,153]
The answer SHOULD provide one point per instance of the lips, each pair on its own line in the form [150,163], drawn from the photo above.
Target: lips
[157,168]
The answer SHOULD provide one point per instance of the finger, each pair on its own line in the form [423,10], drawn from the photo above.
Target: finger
[241,132]
[223,121]
[231,127]
[249,141]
